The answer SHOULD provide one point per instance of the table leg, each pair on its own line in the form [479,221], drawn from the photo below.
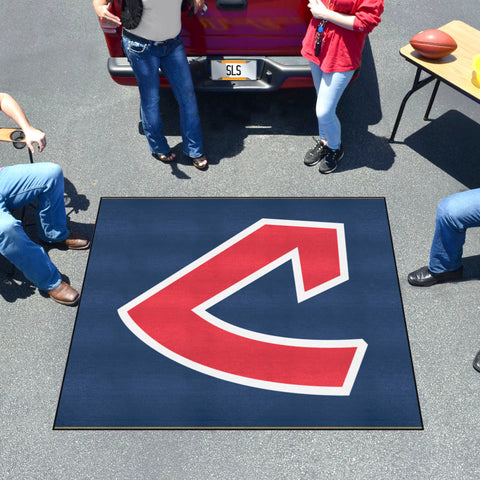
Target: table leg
[432,98]
[417,85]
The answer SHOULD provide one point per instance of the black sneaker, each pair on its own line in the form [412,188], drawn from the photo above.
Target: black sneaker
[315,154]
[330,159]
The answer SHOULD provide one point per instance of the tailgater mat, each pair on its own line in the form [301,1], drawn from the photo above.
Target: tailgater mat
[240,313]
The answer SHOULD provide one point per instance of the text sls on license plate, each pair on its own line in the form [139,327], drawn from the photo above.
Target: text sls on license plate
[234,70]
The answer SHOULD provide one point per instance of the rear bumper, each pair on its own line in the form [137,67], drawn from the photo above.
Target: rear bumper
[273,73]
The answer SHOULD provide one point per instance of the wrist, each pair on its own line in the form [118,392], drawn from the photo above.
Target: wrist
[329,16]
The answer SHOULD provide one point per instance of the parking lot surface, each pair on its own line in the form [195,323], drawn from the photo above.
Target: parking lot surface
[53,62]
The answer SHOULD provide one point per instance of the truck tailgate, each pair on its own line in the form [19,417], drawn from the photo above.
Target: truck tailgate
[253,27]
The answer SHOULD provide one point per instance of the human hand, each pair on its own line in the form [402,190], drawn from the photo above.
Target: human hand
[34,135]
[318,9]
[105,15]
[197,5]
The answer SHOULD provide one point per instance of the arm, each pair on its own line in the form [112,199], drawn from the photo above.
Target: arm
[319,10]
[101,8]
[13,110]
[365,19]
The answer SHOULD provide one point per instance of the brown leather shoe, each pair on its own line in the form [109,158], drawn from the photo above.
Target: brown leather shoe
[75,241]
[64,294]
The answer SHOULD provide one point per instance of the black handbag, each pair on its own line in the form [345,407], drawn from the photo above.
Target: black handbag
[131,13]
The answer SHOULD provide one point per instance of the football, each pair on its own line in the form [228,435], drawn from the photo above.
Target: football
[433,43]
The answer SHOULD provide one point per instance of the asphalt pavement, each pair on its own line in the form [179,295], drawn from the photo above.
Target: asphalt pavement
[53,61]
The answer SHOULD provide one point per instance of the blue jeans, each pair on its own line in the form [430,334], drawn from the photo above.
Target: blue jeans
[145,59]
[20,185]
[455,214]
[329,87]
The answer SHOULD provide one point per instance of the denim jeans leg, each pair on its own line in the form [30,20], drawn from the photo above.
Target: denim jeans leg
[177,71]
[145,62]
[15,245]
[329,87]
[22,184]
[455,214]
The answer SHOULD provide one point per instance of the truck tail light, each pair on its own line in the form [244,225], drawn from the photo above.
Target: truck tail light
[107,28]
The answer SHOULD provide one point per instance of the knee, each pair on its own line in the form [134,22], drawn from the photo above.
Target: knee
[149,96]
[53,175]
[53,171]
[323,114]
[451,210]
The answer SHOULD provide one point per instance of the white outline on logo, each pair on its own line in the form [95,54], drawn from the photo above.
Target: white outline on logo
[302,295]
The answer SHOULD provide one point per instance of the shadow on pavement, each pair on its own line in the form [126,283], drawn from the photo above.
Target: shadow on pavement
[16,287]
[359,108]
[451,143]
[471,268]
[229,118]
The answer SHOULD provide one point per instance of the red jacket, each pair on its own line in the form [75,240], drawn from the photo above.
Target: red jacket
[341,48]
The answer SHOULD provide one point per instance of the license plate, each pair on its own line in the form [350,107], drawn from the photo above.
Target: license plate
[234,70]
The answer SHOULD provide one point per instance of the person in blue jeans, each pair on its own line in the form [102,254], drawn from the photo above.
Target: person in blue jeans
[21,185]
[155,43]
[333,45]
[455,215]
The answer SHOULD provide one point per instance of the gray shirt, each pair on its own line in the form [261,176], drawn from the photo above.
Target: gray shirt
[160,20]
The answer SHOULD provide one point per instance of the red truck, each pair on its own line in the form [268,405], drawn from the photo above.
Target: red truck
[249,45]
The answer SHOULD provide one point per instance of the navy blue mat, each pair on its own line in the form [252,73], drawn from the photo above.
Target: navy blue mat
[240,313]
